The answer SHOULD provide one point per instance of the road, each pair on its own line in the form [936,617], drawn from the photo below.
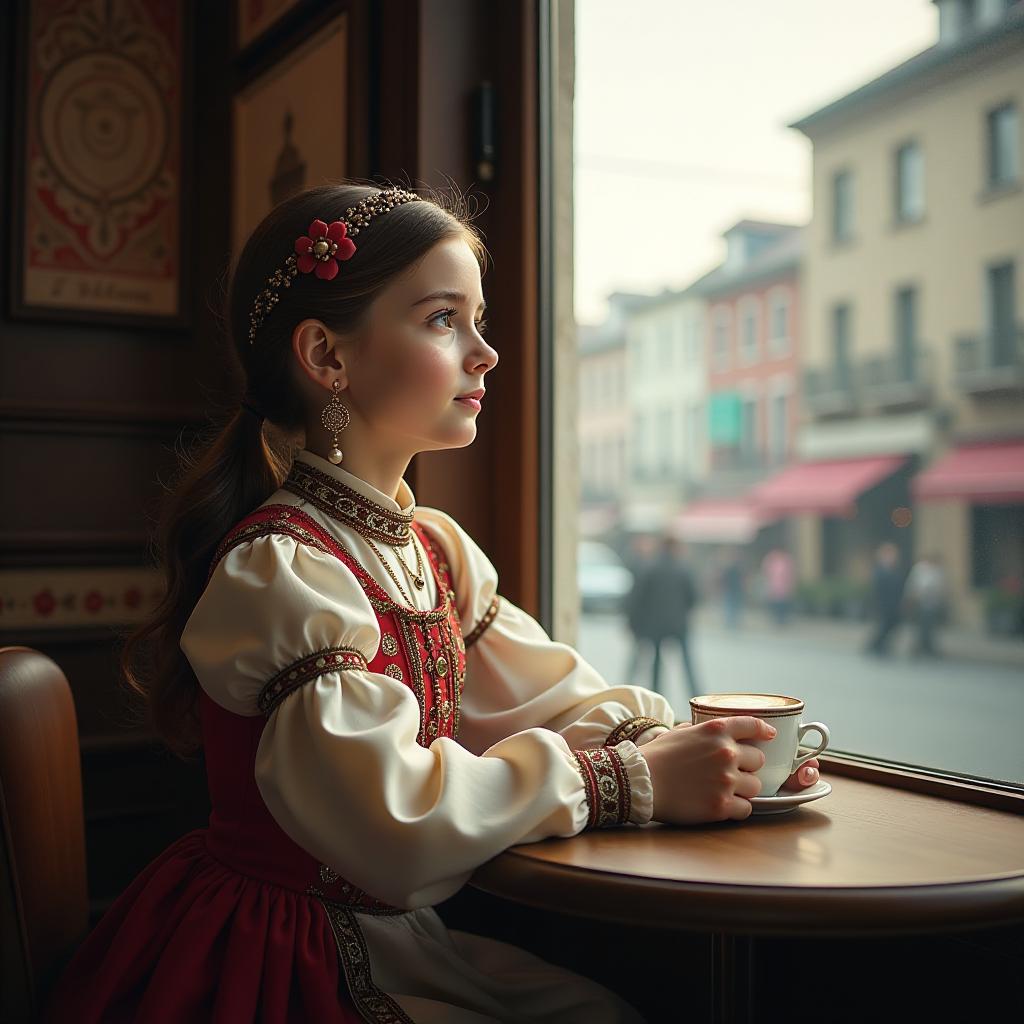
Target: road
[950,714]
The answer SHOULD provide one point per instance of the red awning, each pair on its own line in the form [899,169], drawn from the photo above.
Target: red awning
[981,473]
[827,488]
[722,521]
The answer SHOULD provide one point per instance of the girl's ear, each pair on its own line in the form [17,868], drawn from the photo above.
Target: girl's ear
[318,352]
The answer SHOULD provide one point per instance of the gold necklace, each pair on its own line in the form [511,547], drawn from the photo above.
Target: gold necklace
[390,571]
[417,577]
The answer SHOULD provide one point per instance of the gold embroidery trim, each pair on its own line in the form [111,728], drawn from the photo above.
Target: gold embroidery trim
[342,502]
[300,672]
[631,728]
[372,1003]
[474,634]
[607,787]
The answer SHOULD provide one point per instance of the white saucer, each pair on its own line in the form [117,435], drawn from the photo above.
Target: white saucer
[789,799]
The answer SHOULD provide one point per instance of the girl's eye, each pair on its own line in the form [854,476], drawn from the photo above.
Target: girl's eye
[447,314]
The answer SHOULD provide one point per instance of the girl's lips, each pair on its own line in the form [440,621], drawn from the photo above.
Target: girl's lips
[472,402]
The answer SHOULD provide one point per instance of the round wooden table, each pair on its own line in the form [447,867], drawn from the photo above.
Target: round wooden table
[867,859]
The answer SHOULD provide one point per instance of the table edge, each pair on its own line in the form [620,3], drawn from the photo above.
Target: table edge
[753,909]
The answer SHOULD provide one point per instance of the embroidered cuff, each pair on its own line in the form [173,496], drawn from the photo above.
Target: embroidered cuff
[291,677]
[474,634]
[607,785]
[641,788]
[631,729]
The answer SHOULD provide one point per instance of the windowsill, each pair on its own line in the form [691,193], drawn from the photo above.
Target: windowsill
[900,224]
[978,793]
[839,244]
[993,192]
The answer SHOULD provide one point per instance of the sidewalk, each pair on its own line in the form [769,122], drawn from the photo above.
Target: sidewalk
[956,643]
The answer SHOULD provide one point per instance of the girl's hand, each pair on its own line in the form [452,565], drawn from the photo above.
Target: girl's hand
[705,772]
[807,774]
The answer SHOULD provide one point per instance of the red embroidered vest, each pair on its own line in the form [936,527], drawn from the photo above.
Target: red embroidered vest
[423,649]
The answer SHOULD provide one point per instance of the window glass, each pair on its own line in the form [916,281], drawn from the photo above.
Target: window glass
[817,309]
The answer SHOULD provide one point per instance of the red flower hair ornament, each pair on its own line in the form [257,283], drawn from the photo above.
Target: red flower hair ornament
[320,250]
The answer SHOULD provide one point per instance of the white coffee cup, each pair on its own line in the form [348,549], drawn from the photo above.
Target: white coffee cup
[781,759]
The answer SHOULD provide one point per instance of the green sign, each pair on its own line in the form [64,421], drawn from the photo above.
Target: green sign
[726,418]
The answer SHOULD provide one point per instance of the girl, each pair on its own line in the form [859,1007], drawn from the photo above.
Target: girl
[376,720]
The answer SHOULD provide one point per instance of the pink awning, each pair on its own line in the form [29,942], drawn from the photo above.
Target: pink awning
[981,473]
[827,488]
[721,521]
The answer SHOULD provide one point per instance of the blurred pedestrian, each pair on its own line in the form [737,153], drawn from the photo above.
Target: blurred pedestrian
[779,578]
[641,551]
[926,595]
[665,594]
[887,597]
[731,585]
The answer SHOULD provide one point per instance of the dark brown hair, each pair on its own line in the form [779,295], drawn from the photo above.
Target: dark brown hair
[239,465]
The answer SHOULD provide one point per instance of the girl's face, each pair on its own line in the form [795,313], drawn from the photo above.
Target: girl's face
[422,348]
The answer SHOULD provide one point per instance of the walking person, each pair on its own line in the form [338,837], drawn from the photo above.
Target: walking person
[887,592]
[926,599]
[731,583]
[780,577]
[666,595]
[641,555]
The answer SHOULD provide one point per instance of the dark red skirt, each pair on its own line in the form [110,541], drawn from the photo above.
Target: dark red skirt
[192,940]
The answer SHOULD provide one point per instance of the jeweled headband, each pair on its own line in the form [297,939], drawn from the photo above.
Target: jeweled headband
[319,250]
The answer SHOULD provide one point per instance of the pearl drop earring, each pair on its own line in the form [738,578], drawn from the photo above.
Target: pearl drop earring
[335,417]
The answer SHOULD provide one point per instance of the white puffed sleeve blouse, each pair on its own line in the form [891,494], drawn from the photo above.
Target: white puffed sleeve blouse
[338,763]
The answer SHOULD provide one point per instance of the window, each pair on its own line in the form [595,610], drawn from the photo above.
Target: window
[909,183]
[664,438]
[893,256]
[1002,315]
[906,332]
[841,354]
[665,359]
[694,354]
[778,322]
[749,446]
[842,206]
[750,310]
[779,427]
[1003,146]
[694,436]
[720,340]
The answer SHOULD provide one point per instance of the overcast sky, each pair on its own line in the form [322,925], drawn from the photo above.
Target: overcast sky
[681,113]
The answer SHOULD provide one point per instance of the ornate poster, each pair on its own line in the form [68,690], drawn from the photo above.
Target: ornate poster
[100,161]
[290,128]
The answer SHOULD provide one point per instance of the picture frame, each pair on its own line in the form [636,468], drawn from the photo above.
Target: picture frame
[290,127]
[254,18]
[100,161]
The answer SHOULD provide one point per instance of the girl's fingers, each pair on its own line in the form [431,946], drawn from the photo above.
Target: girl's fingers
[807,775]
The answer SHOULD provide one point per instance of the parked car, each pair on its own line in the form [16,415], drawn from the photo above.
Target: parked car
[603,581]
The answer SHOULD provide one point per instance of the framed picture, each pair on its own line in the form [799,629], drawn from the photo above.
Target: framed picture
[99,163]
[254,17]
[290,128]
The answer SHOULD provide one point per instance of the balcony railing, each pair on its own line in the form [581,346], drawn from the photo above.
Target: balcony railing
[831,390]
[898,379]
[990,363]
